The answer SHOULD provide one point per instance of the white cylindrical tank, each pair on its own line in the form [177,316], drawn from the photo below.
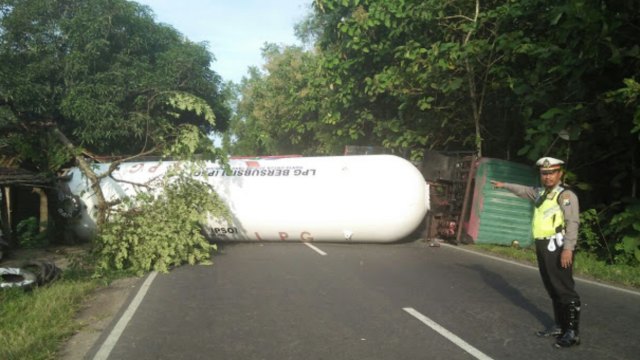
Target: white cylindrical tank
[371,198]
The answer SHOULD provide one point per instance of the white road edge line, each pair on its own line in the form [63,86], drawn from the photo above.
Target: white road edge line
[112,339]
[577,278]
[447,334]
[316,249]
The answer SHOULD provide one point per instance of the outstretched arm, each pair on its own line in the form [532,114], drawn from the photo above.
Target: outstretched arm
[522,191]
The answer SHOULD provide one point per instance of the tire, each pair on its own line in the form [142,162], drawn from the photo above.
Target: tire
[44,271]
[17,278]
[69,206]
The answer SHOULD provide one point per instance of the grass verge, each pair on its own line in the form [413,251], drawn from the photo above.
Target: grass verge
[34,324]
[585,265]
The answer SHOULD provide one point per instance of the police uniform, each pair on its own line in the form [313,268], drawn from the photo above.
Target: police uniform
[555,228]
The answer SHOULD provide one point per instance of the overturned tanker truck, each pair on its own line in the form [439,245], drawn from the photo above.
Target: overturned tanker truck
[370,198]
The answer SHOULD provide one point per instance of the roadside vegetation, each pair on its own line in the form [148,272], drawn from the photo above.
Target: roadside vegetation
[158,232]
[35,324]
[586,265]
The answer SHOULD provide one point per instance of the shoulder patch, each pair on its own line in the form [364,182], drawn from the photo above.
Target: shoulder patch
[565,200]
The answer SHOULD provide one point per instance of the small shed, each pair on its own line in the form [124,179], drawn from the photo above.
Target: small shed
[22,195]
[497,216]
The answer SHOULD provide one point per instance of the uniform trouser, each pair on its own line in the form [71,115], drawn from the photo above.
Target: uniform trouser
[557,280]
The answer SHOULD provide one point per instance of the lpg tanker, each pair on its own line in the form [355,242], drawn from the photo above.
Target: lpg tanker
[369,198]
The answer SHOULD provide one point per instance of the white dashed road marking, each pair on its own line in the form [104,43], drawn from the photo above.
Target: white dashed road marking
[316,249]
[447,334]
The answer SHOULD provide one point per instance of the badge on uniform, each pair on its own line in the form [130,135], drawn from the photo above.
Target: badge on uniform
[565,200]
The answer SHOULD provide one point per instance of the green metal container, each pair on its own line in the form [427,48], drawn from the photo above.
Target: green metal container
[497,216]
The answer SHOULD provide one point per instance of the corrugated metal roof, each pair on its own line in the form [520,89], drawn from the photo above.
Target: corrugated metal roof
[501,217]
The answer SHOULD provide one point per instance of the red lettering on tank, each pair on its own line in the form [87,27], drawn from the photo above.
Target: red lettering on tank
[154,168]
[283,235]
[135,168]
[258,236]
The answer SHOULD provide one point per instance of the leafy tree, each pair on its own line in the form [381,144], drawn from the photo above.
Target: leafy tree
[417,74]
[278,112]
[101,77]
[573,75]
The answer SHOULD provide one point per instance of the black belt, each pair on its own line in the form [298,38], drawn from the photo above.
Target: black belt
[546,238]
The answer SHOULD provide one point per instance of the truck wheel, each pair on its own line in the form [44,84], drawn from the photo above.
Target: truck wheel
[69,206]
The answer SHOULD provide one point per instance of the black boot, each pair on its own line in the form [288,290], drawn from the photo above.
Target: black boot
[556,330]
[570,336]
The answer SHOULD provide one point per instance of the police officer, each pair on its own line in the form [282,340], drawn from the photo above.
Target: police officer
[555,230]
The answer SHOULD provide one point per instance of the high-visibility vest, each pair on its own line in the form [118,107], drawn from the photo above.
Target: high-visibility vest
[548,217]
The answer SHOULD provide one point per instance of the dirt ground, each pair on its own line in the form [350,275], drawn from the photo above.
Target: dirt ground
[97,313]
[99,309]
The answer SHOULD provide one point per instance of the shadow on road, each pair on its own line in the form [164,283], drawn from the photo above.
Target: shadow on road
[500,285]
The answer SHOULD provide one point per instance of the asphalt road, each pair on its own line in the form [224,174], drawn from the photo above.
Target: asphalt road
[403,301]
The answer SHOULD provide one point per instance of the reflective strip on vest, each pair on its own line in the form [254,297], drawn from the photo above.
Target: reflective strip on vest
[548,216]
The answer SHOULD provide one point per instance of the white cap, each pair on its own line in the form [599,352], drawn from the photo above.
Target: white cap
[549,163]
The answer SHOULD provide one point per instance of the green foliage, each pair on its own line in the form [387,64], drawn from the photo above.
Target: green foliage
[188,102]
[29,236]
[188,140]
[592,237]
[28,147]
[103,73]
[157,232]
[585,264]
[612,234]
[422,74]
[626,227]
[34,324]
[278,111]
[628,96]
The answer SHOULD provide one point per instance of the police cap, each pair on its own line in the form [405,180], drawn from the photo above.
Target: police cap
[549,164]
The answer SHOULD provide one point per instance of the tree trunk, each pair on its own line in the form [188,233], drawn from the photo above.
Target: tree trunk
[476,100]
[90,174]
[7,226]
[634,170]
[477,109]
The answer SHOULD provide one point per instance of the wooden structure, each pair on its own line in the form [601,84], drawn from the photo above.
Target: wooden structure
[22,195]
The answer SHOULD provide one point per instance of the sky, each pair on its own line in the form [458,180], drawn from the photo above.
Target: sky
[235,30]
